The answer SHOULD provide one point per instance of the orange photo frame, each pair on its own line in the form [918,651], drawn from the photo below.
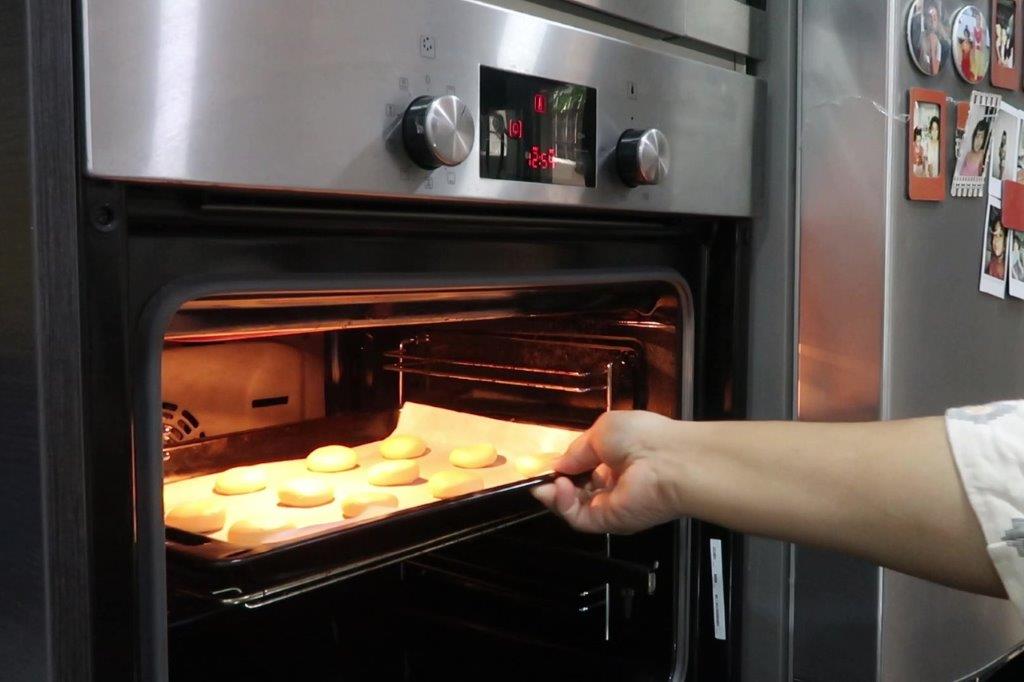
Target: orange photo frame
[1006,43]
[927,149]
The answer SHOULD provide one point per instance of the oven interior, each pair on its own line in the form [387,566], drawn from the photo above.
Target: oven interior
[488,586]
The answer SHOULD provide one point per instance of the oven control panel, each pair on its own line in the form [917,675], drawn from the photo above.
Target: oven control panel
[440,99]
[537,129]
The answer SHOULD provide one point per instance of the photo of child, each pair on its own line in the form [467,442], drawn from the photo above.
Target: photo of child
[993,258]
[927,142]
[1020,153]
[1005,141]
[999,160]
[926,36]
[995,252]
[973,161]
[987,116]
[970,44]
[1004,39]
[918,154]
[1016,259]
[1017,255]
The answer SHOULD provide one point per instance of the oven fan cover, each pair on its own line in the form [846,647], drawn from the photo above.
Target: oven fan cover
[179,425]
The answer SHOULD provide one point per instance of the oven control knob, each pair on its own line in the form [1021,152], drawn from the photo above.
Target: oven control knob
[642,157]
[438,131]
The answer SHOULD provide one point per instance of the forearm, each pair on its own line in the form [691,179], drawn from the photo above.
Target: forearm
[888,492]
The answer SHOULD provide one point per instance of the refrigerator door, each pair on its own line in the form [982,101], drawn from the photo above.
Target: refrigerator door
[891,326]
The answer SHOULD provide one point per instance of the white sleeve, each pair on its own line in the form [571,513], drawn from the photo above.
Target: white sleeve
[988,446]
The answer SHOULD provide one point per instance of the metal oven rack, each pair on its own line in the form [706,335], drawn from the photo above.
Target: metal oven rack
[546,363]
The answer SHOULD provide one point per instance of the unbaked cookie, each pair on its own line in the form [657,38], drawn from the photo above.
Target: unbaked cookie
[402,447]
[474,456]
[304,492]
[332,458]
[241,480]
[198,516]
[397,472]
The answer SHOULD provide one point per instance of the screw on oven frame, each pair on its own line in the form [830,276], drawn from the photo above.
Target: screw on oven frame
[103,217]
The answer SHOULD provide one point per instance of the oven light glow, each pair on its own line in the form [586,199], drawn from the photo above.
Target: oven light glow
[515,128]
[540,103]
[540,160]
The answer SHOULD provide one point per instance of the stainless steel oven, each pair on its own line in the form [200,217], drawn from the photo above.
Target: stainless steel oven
[321,224]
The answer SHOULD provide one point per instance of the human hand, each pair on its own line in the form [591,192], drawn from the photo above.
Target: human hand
[632,486]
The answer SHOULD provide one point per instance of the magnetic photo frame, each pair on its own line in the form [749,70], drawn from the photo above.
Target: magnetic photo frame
[926,134]
[971,42]
[1003,148]
[993,251]
[1020,151]
[927,36]
[1006,43]
[969,173]
[1015,264]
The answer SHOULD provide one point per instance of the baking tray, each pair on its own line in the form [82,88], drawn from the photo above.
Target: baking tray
[327,548]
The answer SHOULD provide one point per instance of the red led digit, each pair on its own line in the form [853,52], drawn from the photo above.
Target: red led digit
[540,160]
[533,158]
[540,103]
[515,129]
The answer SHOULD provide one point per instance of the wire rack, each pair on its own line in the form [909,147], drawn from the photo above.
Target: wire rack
[541,363]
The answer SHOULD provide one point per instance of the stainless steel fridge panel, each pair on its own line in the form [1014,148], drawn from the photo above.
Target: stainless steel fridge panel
[842,209]
[308,95]
[930,632]
[944,347]
[891,325]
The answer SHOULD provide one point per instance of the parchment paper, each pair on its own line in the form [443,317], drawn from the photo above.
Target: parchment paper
[443,430]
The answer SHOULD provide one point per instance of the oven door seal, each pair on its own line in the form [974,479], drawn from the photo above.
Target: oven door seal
[147,458]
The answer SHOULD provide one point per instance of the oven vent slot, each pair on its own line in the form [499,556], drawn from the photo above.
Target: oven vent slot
[273,401]
[532,362]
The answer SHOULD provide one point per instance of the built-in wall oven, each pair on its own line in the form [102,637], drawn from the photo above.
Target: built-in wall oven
[328,224]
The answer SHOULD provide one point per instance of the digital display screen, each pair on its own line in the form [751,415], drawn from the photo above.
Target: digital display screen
[536,130]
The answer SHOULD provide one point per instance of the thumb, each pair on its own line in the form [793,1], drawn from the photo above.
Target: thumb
[545,494]
[579,457]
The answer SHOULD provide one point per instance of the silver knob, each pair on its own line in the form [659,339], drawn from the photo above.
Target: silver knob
[438,131]
[643,157]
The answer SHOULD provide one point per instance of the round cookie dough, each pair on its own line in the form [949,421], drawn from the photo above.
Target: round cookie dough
[397,472]
[358,504]
[474,456]
[254,531]
[534,465]
[452,483]
[402,447]
[332,458]
[241,480]
[304,492]
[198,516]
